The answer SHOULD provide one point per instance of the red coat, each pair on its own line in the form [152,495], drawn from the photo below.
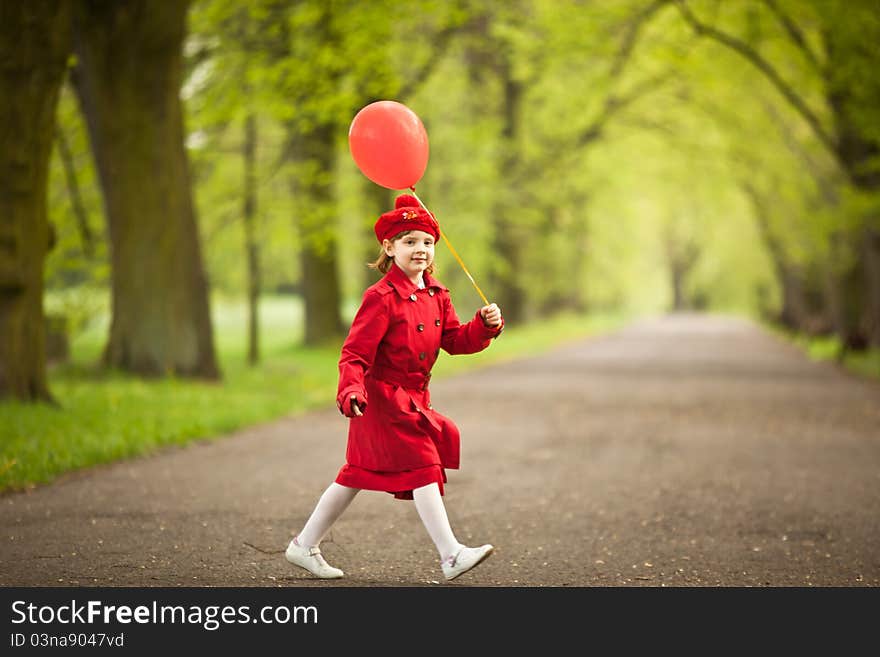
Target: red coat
[386,360]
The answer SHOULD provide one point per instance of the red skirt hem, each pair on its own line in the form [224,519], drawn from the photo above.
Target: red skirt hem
[399,484]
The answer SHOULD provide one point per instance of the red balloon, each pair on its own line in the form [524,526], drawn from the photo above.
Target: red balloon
[389,144]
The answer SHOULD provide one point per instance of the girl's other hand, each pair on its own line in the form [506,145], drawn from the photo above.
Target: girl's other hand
[491,315]
[355,409]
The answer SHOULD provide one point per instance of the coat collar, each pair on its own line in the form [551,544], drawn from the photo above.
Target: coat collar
[397,279]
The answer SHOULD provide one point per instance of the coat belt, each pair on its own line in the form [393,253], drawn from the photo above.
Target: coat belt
[411,380]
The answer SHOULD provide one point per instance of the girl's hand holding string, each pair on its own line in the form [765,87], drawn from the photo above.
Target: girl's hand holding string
[491,315]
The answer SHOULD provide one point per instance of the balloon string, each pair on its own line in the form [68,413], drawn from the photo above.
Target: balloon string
[454,253]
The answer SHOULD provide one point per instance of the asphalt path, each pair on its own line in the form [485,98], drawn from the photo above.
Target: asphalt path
[684,450]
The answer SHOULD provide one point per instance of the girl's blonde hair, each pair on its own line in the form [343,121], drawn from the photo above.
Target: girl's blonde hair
[384,261]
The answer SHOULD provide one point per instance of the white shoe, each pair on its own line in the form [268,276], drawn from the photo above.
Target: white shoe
[311,560]
[465,559]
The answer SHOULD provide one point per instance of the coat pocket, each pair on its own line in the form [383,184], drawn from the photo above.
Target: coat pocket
[397,406]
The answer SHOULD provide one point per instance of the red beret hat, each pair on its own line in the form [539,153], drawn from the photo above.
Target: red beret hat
[408,214]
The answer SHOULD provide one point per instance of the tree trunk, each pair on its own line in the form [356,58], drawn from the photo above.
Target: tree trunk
[846,292]
[315,155]
[678,298]
[506,241]
[682,255]
[857,153]
[582,239]
[128,81]
[859,313]
[680,267]
[379,200]
[34,46]
[76,202]
[565,268]
[252,249]
[793,314]
[871,246]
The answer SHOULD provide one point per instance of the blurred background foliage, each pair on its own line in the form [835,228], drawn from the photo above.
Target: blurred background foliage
[630,162]
[588,158]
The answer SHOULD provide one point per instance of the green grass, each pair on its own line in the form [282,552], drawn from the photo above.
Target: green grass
[106,416]
[866,363]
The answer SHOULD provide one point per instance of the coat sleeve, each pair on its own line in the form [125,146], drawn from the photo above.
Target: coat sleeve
[367,330]
[467,338]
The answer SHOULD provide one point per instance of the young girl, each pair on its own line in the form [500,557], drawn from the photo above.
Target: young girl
[397,442]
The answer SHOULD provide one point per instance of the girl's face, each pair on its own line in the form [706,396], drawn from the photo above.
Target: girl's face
[413,252]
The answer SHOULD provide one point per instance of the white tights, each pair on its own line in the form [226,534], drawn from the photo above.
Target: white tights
[333,502]
[429,505]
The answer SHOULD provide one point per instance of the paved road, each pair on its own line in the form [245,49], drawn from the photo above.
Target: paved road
[681,451]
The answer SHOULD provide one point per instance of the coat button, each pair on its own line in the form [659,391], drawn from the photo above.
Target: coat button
[420,327]
[436,322]
[423,356]
[412,297]
[390,284]
[431,291]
